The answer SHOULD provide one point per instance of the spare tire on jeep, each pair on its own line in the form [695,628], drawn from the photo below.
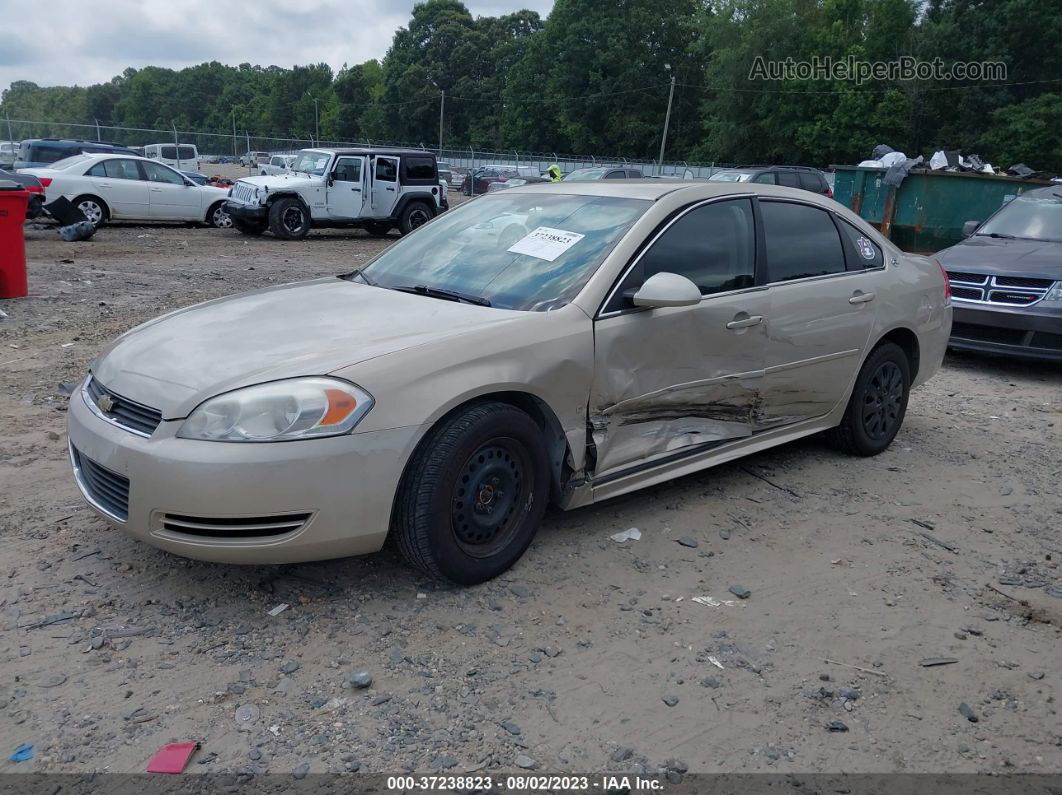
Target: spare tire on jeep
[415,214]
[289,219]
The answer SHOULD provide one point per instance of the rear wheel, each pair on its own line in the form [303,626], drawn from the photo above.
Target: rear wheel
[474,494]
[248,227]
[95,210]
[878,404]
[416,214]
[378,228]
[289,219]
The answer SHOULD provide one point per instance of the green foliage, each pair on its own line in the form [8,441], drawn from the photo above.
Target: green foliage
[594,76]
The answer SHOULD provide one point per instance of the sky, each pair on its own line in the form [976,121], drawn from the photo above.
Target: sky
[71,42]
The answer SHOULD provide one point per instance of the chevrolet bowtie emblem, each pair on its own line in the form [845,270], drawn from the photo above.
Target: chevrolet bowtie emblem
[105,403]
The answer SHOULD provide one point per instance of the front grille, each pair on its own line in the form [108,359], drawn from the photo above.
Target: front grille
[242,192]
[122,411]
[983,288]
[109,490]
[234,526]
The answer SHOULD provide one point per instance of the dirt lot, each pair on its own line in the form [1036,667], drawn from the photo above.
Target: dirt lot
[591,654]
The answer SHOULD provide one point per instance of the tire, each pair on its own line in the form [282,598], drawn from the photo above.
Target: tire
[878,404]
[289,219]
[248,227]
[93,208]
[415,214]
[218,218]
[378,228]
[487,458]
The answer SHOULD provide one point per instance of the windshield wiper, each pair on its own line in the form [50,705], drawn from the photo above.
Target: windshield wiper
[999,235]
[439,292]
[357,273]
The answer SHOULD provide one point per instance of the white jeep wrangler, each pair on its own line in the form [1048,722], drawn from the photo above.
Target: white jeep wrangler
[374,189]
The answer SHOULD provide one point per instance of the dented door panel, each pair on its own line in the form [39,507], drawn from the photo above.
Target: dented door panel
[667,381]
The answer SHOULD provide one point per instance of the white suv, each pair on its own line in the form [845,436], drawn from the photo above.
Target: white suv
[374,189]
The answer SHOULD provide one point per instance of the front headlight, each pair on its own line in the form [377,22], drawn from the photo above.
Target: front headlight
[1055,293]
[280,411]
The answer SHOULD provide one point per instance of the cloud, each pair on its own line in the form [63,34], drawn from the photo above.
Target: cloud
[92,42]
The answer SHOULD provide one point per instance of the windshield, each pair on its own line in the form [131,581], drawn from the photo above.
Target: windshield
[584,174]
[730,176]
[527,252]
[310,162]
[68,162]
[1033,217]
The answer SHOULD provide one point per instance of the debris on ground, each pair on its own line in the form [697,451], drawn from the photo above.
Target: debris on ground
[633,534]
[171,758]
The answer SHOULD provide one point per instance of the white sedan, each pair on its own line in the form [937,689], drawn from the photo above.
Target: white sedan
[122,187]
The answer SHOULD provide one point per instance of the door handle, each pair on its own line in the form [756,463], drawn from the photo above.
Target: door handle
[356,190]
[861,298]
[745,322]
[391,189]
[156,190]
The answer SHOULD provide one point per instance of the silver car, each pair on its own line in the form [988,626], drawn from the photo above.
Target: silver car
[561,343]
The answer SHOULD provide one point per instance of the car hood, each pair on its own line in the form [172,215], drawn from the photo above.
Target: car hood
[289,180]
[993,255]
[176,361]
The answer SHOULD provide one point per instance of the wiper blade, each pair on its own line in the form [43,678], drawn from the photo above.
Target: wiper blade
[999,235]
[357,273]
[446,295]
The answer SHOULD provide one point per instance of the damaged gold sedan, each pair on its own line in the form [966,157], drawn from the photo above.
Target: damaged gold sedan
[564,343]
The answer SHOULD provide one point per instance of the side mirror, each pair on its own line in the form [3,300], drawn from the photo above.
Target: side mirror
[667,289]
[331,178]
[970,227]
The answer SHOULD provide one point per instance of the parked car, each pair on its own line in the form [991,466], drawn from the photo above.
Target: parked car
[601,172]
[252,159]
[1006,279]
[477,182]
[450,388]
[516,182]
[8,154]
[803,177]
[374,189]
[277,164]
[42,152]
[31,184]
[108,187]
[180,157]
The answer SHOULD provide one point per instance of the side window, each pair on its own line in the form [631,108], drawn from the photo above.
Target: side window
[801,241]
[120,169]
[159,173]
[864,252]
[614,175]
[97,170]
[789,179]
[714,246]
[348,169]
[386,170]
[810,181]
[766,178]
[634,174]
[420,168]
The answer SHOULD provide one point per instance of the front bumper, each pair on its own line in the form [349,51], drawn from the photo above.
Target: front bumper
[246,212]
[1033,332]
[225,501]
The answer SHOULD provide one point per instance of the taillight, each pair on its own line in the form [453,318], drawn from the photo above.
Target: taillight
[947,282]
[45,181]
[829,193]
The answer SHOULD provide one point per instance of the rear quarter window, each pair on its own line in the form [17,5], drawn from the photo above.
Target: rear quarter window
[420,168]
[861,251]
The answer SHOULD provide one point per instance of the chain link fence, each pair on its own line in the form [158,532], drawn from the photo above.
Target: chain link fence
[214,147]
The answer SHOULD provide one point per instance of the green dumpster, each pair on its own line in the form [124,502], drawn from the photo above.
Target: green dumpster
[927,211]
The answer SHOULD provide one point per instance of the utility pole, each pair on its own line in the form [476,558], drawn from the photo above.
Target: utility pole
[667,120]
[10,134]
[442,105]
[97,129]
[234,131]
[176,146]
[316,118]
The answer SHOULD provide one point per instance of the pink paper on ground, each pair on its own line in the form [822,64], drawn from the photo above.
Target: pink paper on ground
[171,758]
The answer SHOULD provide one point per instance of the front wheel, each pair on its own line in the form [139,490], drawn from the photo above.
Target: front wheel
[218,218]
[289,219]
[878,404]
[416,214]
[473,495]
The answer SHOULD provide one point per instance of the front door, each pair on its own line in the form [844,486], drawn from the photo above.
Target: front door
[120,185]
[822,311]
[384,186]
[171,197]
[346,192]
[670,382]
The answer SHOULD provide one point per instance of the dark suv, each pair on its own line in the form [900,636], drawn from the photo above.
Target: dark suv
[42,152]
[803,177]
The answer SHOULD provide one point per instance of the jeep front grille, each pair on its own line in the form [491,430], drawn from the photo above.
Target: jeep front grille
[242,192]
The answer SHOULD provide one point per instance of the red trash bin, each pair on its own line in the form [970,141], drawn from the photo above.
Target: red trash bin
[13,201]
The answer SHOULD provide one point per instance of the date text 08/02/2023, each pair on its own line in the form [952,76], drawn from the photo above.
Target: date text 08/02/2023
[525,783]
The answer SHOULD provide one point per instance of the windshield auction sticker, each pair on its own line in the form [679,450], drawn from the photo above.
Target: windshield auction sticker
[545,242]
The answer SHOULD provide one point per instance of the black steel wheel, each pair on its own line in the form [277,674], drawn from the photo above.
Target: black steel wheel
[289,219]
[878,403]
[415,214]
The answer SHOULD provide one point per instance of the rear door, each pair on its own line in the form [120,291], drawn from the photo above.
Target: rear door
[670,382]
[120,184]
[346,193]
[170,196]
[822,312]
[384,186]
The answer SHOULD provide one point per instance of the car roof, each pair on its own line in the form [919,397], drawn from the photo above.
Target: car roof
[370,151]
[1052,192]
[655,189]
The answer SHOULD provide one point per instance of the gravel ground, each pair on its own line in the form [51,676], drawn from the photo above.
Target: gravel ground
[590,654]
